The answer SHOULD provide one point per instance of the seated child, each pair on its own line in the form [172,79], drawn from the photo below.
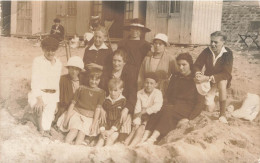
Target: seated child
[83,113]
[74,42]
[44,96]
[149,101]
[113,106]
[69,83]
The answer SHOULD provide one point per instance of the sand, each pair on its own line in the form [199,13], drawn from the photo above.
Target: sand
[203,139]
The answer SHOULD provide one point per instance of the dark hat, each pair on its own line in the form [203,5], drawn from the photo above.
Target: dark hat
[136,23]
[152,75]
[50,43]
[56,20]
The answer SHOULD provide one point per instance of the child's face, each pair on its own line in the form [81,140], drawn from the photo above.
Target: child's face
[93,82]
[135,32]
[149,85]
[49,55]
[73,72]
[99,38]
[115,92]
[118,62]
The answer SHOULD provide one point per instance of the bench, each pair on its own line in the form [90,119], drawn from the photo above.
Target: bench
[252,33]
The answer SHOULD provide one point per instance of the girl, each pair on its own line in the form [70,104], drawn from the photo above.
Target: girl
[82,116]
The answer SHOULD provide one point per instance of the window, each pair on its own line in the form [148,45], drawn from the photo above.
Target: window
[129,7]
[97,8]
[72,8]
[165,8]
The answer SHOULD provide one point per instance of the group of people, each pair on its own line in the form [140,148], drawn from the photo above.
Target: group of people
[135,95]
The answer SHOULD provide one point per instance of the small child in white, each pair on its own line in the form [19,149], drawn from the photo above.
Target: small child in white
[113,106]
[149,101]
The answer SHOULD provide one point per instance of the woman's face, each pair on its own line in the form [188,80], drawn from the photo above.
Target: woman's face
[118,63]
[99,38]
[159,46]
[94,82]
[49,55]
[184,67]
[73,72]
[135,32]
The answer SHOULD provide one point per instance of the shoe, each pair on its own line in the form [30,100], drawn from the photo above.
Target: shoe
[223,119]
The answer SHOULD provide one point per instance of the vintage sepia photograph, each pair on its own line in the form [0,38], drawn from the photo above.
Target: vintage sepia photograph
[131,81]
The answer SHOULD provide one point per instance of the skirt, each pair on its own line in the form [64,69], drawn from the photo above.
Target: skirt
[79,122]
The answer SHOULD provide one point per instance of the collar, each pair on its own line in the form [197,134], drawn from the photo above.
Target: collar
[113,101]
[117,74]
[103,46]
[223,50]
[46,60]
[144,93]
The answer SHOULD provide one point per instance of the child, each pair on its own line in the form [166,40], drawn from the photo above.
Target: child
[82,116]
[44,96]
[74,42]
[149,101]
[113,106]
[98,55]
[69,83]
[57,30]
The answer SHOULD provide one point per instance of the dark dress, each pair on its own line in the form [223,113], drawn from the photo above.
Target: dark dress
[136,51]
[183,101]
[130,85]
[58,36]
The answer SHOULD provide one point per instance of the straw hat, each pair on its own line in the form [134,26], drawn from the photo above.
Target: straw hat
[203,88]
[162,37]
[136,23]
[75,61]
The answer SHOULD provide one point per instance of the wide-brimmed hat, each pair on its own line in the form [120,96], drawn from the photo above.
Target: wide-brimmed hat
[56,20]
[203,88]
[136,23]
[75,61]
[162,37]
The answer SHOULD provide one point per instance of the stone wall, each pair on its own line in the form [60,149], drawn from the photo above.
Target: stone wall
[236,18]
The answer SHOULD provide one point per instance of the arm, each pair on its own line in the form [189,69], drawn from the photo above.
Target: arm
[141,74]
[137,112]
[227,69]
[158,102]
[68,115]
[199,106]
[200,61]
[173,65]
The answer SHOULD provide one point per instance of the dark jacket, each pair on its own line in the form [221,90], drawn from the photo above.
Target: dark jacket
[222,69]
[58,36]
[130,86]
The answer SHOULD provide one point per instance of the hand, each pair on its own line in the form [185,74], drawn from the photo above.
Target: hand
[92,128]
[39,106]
[94,65]
[143,110]
[103,134]
[124,114]
[199,78]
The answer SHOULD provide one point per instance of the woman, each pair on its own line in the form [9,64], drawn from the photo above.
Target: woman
[183,101]
[159,61]
[127,75]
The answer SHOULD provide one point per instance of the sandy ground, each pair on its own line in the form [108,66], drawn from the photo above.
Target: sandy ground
[203,139]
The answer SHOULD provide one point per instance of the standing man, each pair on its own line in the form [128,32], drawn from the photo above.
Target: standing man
[218,62]
[57,30]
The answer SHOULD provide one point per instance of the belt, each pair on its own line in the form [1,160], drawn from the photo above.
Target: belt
[49,90]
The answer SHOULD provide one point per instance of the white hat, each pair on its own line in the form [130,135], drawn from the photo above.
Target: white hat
[75,61]
[162,37]
[203,88]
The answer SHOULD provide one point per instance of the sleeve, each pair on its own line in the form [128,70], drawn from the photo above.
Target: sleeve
[85,58]
[62,31]
[62,93]
[101,98]
[158,102]
[36,81]
[200,61]
[173,65]
[199,106]
[227,69]
[117,125]
[138,106]
[76,96]
[108,62]
[131,91]
[170,89]
[141,74]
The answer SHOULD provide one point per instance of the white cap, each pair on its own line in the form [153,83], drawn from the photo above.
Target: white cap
[162,37]
[75,61]
[203,88]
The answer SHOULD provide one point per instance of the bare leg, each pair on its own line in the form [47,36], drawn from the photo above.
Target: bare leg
[112,138]
[147,133]
[153,138]
[80,138]
[130,137]
[39,121]
[100,142]
[222,86]
[71,136]
[138,136]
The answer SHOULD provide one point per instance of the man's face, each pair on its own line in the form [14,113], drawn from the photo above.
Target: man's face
[216,43]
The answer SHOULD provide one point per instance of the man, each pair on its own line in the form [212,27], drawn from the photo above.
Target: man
[57,30]
[218,62]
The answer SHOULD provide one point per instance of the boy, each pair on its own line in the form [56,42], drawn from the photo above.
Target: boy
[149,101]
[113,106]
[218,62]
[57,30]
[44,96]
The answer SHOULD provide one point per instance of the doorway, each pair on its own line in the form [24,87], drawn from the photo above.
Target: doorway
[5,18]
